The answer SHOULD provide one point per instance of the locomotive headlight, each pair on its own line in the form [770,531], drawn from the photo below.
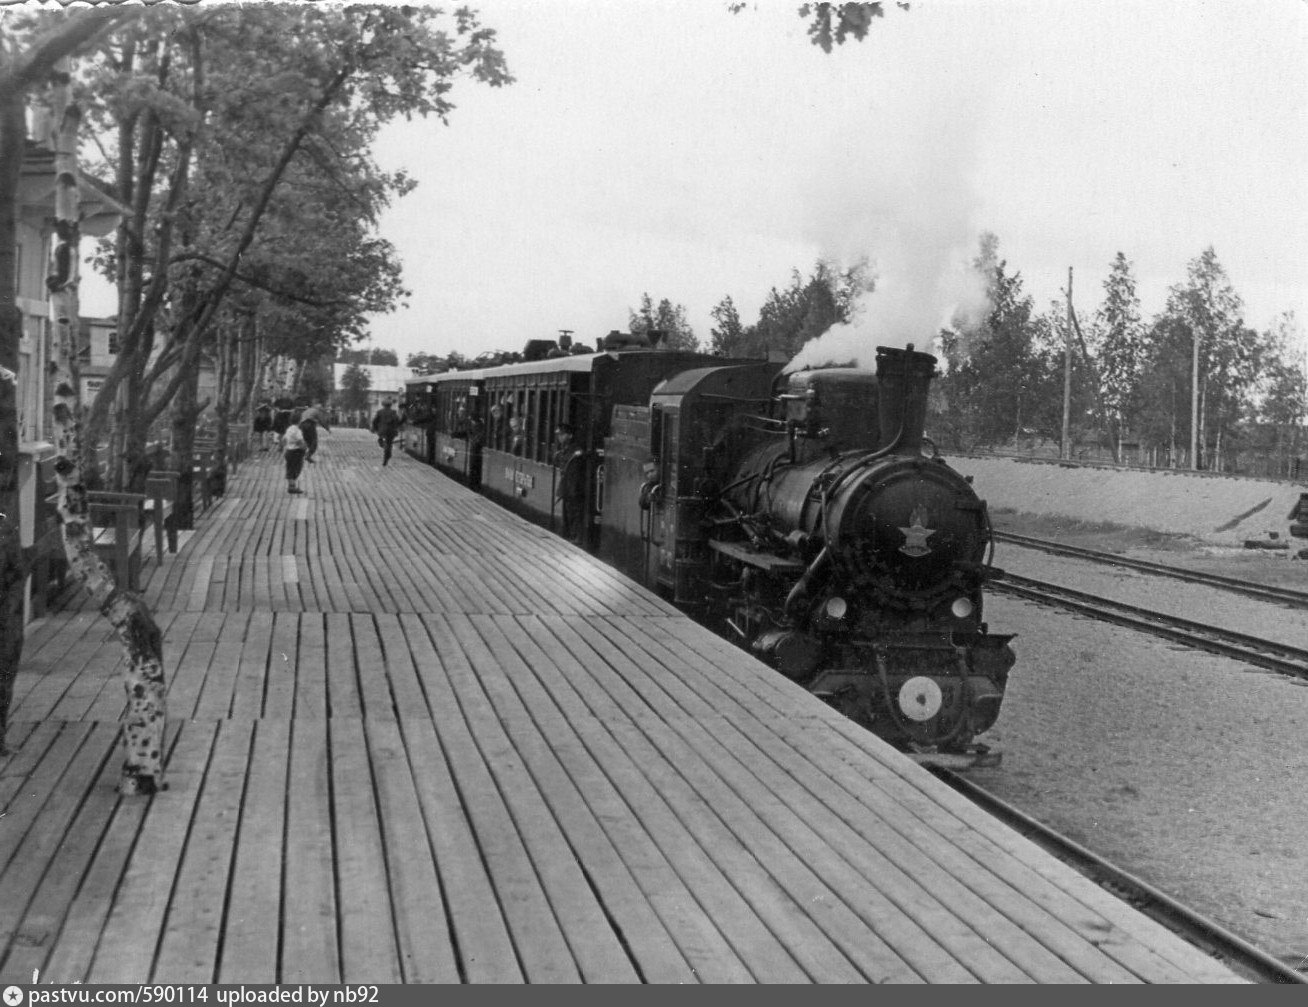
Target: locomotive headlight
[836,608]
[962,608]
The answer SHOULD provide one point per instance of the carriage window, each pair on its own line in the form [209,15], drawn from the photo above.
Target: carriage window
[529,424]
[543,428]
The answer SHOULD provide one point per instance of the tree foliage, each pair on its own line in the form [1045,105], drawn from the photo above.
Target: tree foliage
[666,317]
[240,136]
[1118,337]
[353,393]
[379,357]
[832,24]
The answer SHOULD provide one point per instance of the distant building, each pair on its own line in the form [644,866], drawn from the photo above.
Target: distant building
[384,382]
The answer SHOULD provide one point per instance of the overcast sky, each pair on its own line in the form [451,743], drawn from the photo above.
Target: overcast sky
[672,148]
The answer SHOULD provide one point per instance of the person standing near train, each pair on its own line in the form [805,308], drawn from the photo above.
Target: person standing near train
[570,482]
[386,425]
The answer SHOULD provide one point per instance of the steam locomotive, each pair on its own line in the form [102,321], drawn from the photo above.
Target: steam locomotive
[799,514]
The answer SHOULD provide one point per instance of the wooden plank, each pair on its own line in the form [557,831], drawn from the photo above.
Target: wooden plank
[215,700]
[69,960]
[1066,947]
[426,946]
[136,920]
[31,777]
[251,922]
[342,673]
[599,954]
[252,673]
[821,933]
[543,953]
[881,889]
[598,825]
[193,931]
[199,590]
[374,684]
[368,942]
[722,875]
[191,665]
[309,941]
[283,658]
[310,666]
[38,825]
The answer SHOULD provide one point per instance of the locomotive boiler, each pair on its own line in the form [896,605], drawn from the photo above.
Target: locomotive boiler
[815,528]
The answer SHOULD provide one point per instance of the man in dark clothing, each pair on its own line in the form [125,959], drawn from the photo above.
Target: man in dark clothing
[386,425]
[570,482]
[310,420]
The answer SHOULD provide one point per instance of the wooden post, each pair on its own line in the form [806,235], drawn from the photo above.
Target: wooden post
[1065,451]
[1194,404]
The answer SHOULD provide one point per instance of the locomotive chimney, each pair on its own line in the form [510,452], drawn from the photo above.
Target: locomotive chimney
[903,378]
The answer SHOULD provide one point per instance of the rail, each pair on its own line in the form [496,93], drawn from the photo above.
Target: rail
[1241,646]
[1285,595]
[1230,948]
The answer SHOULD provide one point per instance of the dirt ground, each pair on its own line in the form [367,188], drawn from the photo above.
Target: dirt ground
[1181,767]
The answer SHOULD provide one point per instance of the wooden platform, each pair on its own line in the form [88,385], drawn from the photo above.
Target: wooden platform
[413,739]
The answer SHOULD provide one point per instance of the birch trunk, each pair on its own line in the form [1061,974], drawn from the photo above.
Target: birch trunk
[133,623]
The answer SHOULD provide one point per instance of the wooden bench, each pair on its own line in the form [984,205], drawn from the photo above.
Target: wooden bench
[160,502]
[118,525]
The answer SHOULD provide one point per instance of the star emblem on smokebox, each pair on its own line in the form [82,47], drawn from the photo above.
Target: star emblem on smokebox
[916,534]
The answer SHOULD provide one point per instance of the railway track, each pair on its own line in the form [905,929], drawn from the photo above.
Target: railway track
[1229,948]
[1282,595]
[1253,650]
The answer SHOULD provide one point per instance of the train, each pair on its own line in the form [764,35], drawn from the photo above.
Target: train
[804,515]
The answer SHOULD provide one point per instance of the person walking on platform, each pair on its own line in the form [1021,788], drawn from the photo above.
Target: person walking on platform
[293,448]
[263,424]
[310,420]
[386,425]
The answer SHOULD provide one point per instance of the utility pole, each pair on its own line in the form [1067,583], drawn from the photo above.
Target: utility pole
[1065,451]
[1194,404]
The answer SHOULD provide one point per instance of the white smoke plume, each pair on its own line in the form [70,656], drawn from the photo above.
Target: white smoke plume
[900,193]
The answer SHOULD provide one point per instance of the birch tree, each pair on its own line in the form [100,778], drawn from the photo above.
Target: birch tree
[28,54]
[143,678]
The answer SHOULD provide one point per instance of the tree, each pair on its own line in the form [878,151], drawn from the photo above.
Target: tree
[1223,351]
[382,358]
[727,338]
[667,318]
[29,51]
[355,383]
[1119,339]
[806,309]
[830,24]
[1164,413]
[1283,389]
[998,377]
[143,678]
[427,363]
[244,154]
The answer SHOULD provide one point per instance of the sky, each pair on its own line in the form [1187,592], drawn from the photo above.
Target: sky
[672,148]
